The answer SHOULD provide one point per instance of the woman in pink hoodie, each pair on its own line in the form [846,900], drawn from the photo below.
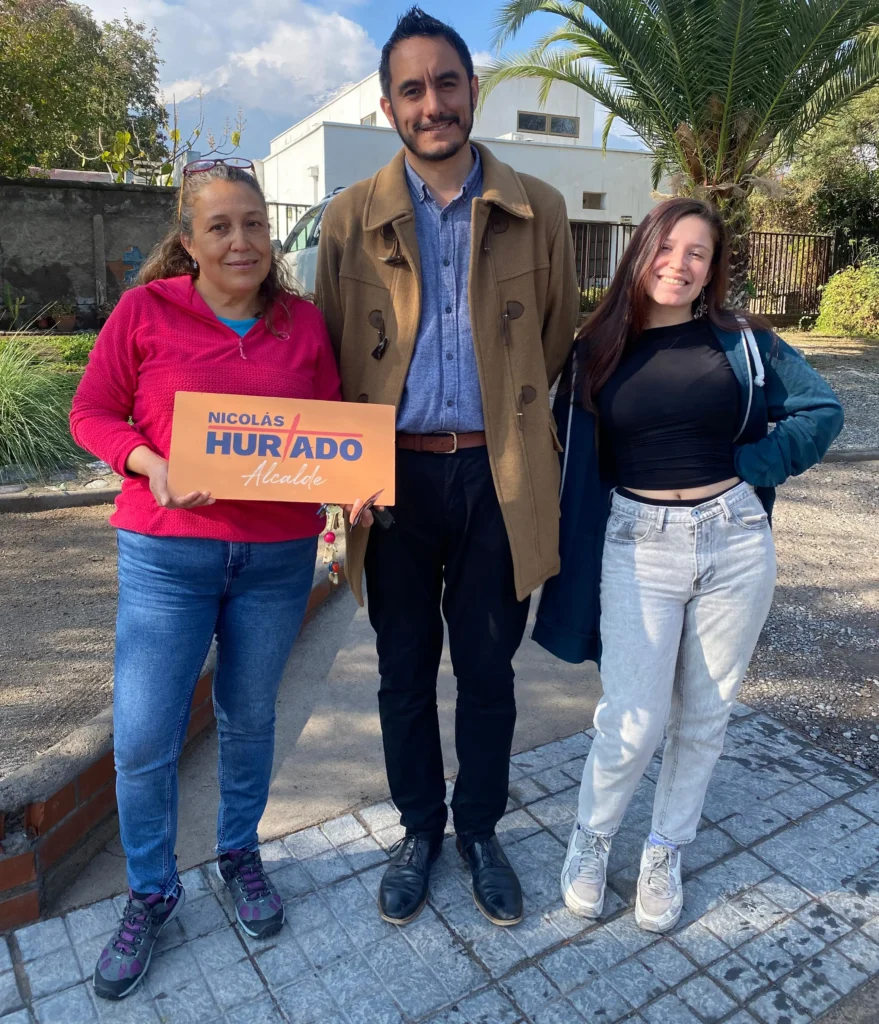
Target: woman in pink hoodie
[212,313]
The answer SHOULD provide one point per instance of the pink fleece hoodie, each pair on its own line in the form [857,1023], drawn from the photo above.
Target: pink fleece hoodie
[163,338]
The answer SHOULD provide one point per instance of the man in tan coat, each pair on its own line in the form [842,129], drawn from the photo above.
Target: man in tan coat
[448,285]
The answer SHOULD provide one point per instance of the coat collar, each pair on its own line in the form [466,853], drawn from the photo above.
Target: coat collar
[389,198]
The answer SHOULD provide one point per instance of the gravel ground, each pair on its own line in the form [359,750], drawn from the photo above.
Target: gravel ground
[852,368]
[817,664]
[58,596]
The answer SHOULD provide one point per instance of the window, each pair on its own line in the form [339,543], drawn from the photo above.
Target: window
[305,232]
[564,126]
[548,124]
[593,200]
[532,122]
[369,119]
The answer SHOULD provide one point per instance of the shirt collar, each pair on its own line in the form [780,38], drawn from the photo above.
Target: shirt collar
[420,191]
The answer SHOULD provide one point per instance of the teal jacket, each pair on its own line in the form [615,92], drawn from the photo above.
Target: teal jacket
[777,387]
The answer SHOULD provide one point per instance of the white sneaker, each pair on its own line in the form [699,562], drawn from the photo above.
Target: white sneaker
[660,897]
[584,874]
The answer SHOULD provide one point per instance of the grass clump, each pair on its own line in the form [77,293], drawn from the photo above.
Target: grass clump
[75,349]
[35,400]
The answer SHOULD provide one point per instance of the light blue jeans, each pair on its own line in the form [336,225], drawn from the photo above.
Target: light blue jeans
[175,594]
[684,595]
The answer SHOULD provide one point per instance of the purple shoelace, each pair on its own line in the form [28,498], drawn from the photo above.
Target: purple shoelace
[248,867]
[133,922]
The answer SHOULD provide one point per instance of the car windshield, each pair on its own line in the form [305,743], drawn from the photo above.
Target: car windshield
[305,232]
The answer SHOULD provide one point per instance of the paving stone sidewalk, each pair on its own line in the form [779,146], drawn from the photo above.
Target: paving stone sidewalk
[781,917]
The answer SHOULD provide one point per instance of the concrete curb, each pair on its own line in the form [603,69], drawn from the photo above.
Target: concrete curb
[106,496]
[852,455]
[57,499]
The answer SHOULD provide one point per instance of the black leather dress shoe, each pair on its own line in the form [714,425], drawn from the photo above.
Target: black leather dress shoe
[496,888]
[403,892]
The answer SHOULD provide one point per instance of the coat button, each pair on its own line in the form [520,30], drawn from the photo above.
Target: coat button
[363,398]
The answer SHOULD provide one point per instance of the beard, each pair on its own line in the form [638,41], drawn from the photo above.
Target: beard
[411,139]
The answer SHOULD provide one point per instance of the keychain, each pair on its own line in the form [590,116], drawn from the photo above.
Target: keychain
[334,521]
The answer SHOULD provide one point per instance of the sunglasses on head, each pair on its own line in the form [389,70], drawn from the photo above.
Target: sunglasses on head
[206,165]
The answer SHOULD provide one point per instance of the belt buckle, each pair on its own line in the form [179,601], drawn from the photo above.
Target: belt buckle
[448,433]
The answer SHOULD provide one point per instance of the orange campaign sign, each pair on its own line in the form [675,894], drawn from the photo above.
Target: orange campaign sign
[281,449]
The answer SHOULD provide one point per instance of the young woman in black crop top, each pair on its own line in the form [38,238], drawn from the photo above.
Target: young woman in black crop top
[682,393]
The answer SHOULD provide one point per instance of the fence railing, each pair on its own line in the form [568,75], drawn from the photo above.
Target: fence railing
[787,272]
[598,249]
[283,216]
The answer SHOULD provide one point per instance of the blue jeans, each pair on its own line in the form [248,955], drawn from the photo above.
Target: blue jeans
[684,595]
[175,593]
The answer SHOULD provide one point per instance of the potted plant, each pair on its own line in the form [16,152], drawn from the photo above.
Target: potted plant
[103,312]
[64,312]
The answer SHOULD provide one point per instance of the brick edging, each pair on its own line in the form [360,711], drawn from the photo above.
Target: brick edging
[49,835]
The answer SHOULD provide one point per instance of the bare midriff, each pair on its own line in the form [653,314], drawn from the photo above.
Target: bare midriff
[688,493]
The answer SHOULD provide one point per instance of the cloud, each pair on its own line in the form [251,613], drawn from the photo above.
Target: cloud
[482,57]
[275,55]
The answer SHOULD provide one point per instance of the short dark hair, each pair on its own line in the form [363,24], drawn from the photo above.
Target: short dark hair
[416,23]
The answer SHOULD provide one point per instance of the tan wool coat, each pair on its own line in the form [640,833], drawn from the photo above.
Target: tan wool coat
[523,310]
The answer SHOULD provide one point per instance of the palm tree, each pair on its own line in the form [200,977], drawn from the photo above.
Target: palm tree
[719,90]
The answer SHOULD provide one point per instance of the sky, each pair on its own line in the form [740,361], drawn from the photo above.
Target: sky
[280,59]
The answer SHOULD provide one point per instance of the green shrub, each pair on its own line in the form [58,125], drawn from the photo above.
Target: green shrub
[590,299]
[34,408]
[850,303]
[75,348]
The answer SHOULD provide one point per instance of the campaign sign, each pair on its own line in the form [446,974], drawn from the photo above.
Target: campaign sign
[281,449]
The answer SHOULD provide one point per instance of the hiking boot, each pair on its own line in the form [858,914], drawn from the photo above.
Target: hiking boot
[258,904]
[660,897]
[125,959]
[584,873]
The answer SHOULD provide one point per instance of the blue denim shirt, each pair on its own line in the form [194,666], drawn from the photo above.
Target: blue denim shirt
[442,389]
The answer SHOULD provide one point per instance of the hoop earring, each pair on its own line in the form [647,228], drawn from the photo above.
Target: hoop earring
[702,308]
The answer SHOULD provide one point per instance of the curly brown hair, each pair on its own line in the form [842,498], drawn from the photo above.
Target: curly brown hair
[170,259]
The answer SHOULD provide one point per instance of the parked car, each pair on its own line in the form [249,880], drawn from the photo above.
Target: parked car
[300,247]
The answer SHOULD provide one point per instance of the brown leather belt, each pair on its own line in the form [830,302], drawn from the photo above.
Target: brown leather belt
[446,443]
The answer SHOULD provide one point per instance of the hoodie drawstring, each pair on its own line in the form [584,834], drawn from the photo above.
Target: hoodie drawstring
[751,342]
[570,421]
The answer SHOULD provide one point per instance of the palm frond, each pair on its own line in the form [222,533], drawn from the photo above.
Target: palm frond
[511,16]
[862,73]
[716,88]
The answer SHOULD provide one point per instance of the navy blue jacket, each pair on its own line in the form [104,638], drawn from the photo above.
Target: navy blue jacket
[777,386]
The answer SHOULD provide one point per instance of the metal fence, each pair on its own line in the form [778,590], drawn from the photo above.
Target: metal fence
[787,272]
[598,249]
[283,216]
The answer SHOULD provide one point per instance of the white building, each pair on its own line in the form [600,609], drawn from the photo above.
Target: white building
[350,138]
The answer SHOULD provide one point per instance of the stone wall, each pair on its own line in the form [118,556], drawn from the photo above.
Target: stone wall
[76,240]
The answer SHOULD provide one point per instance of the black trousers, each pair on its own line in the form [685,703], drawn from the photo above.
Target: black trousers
[447,554]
